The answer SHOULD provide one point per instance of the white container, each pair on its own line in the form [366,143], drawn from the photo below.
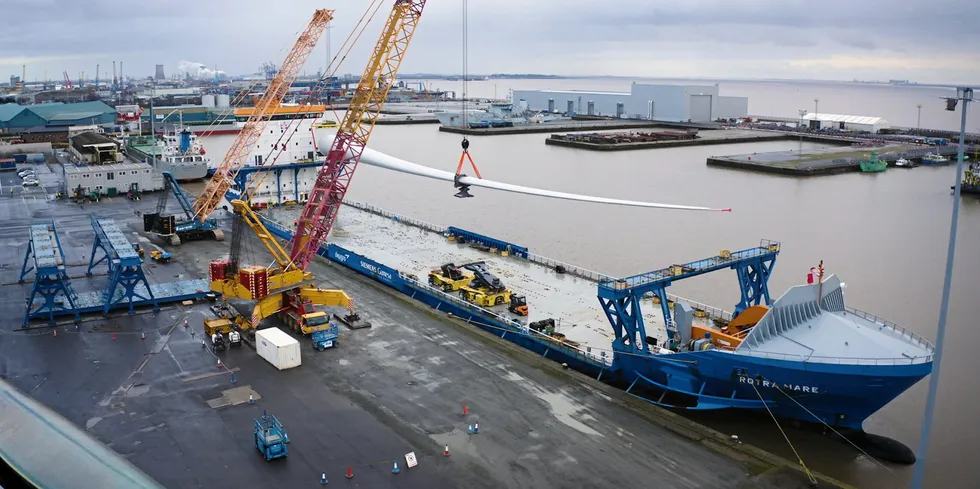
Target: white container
[277,348]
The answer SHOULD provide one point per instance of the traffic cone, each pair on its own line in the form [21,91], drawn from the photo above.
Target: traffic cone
[219,363]
[476,428]
[185,324]
[323,477]
[446,453]
[203,344]
[54,333]
[469,430]
[251,400]
[113,336]
[396,469]
[350,472]
[142,336]
[466,410]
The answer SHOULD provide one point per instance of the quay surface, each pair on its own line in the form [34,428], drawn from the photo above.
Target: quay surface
[559,126]
[704,138]
[827,161]
[398,387]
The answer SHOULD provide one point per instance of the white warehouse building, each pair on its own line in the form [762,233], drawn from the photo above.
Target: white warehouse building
[695,103]
[846,122]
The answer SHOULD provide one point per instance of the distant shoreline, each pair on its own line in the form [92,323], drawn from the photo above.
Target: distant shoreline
[536,76]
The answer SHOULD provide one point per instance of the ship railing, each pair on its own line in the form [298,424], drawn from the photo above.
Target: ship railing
[711,311]
[584,354]
[902,332]
[569,269]
[411,221]
[837,360]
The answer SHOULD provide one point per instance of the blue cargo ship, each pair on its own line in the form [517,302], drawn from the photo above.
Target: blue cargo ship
[805,356]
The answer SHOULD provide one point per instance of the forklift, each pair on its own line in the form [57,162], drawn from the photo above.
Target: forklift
[518,305]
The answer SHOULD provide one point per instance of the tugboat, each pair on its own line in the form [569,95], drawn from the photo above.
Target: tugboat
[934,159]
[906,163]
[873,164]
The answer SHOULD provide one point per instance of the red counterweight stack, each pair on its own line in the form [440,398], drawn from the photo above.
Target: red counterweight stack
[256,280]
[217,269]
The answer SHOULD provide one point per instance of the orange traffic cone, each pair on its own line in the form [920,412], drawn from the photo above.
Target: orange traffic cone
[446,453]
[142,336]
[185,323]
[54,333]
[350,472]
[113,336]
[466,410]
[219,363]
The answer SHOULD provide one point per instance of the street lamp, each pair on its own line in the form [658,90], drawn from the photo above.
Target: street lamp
[802,115]
[816,106]
[918,119]
[966,96]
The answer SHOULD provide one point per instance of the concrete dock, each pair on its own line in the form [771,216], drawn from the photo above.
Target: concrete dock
[704,138]
[558,126]
[398,387]
[826,161]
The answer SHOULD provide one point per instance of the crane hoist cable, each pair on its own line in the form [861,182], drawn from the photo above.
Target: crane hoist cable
[322,83]
[464,190]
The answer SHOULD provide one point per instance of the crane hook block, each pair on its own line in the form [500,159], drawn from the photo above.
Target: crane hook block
[465,144]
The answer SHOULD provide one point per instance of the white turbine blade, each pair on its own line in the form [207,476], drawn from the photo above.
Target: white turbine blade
[388,162]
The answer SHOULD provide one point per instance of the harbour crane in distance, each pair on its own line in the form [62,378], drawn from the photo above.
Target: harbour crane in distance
[287,286]
[224,175]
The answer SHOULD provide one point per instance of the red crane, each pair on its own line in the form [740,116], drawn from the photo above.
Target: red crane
[335,175]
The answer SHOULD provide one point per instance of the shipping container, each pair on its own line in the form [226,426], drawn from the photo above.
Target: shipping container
[278,348]
[20,158]
[34,158]
[8,164]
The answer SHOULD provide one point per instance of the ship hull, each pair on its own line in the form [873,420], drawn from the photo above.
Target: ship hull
[842,396]
[184,172]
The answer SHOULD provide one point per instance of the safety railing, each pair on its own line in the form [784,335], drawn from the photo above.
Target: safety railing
[902,332]
[836,360]
[569,269]
[712,312]
[397,217]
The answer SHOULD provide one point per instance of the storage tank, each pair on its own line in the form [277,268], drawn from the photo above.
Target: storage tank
[35,158]
[207,100]
[224,100]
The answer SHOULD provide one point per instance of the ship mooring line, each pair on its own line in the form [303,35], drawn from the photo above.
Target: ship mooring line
[836,432]
[813,480]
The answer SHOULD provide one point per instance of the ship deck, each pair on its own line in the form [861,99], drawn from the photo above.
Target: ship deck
[571,300]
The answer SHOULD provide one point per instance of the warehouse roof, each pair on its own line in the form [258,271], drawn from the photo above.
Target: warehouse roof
[91,138]
[56,111]
[9,111]
[107,167]
[847,119]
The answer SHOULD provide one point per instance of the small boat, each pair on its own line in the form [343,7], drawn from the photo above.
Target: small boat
[934,159]
[873,164]
[905,163]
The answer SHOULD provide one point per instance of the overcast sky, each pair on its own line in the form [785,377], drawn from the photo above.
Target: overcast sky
[934,41]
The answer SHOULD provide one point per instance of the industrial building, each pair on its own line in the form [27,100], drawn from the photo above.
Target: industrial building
[94,148]
[15,118]
[112,179]
[845,122]
[694,103]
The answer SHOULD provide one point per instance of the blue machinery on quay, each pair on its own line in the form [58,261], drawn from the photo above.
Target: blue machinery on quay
[127,285]
[619,298]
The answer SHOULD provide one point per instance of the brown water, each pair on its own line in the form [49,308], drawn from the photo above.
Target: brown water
[884,234]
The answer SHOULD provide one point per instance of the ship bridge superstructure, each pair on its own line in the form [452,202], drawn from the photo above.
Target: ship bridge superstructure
[811,323]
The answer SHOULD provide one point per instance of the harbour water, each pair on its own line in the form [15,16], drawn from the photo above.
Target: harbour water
[884,234]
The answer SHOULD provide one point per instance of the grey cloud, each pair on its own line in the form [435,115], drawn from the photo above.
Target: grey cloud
[505,35]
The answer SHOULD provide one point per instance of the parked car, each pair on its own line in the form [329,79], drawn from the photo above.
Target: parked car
[31,183]
[25,173]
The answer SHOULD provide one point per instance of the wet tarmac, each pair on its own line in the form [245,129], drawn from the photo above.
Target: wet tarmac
[164,404]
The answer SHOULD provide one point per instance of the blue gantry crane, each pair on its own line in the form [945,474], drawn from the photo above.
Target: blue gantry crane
[175,230]
[620,298]
[50,274]
[127,282]
[270,437]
